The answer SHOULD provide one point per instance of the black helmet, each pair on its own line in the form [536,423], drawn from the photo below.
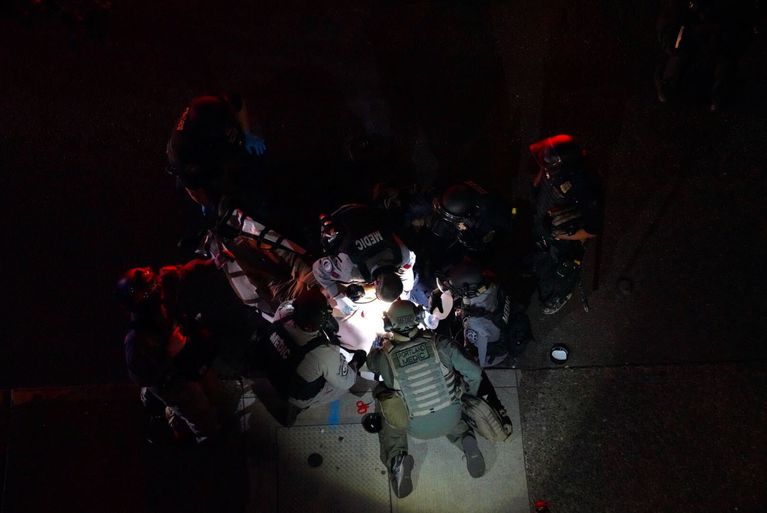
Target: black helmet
[464,280]
[403,317]
[206,134]
[388,284]
[553,152]
[137,287]
[458,207]
[311,310]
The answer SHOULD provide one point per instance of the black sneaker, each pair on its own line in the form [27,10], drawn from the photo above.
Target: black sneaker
[399,475]
[508,427]
[552,306]
[492,361]
[475,462]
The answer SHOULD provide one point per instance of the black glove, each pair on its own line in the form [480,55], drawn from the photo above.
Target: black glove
[359,359]
[435,301]
[355,292]
[565,220]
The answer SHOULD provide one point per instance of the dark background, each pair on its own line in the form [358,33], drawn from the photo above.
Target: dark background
[661,407]
[461,90]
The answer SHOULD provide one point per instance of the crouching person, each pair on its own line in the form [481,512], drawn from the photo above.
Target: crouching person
[302,357]
[494,324]
[420,394]
[169,356]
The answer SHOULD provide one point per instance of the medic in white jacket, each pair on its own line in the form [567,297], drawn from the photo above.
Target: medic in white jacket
[361,251]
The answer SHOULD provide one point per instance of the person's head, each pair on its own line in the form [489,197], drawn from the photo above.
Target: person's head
[205,138]
[457,209]
[464,280]
[310,310]
[403,317]
[388,284]
[419,212]
[555,152]
[138,288]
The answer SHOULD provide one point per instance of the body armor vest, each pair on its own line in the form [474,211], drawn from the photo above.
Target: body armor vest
[366,241]
[555,198]
[425,383]
[282,355]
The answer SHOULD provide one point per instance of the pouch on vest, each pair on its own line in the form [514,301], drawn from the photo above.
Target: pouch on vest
[424,383]
[393,409]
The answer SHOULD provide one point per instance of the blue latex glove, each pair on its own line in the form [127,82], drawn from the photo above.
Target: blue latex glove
[254,145]
[345,304]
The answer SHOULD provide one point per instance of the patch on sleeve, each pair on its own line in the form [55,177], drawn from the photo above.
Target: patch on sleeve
[565,187]
[327,265]
[471,335]
[343,367]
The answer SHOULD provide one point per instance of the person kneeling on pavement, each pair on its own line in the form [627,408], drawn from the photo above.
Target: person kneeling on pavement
[302,356]
[421,393]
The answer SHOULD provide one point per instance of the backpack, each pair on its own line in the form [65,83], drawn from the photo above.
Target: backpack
[485,419]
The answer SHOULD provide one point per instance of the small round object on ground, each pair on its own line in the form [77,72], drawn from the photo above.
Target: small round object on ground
[372,422]
[314,460]
[625,286]
[559,354]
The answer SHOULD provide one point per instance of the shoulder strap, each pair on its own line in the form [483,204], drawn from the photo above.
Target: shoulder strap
[297,352]
[312,345]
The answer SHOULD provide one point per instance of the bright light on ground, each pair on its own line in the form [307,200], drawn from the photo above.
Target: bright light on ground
[360,329]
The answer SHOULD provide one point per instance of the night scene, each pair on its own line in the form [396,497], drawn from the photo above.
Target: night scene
[383,256]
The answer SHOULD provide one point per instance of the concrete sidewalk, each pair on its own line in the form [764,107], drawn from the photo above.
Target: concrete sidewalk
[351,476]
[607,439]
[84,444]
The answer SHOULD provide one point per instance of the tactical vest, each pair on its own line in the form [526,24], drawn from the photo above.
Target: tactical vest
[426,384]
[283,355]
[366,241]
[552,194]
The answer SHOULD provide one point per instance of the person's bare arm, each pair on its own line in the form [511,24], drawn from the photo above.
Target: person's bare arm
[581,235]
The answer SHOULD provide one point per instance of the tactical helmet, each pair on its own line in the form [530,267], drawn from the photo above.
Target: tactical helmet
[388,284]
[311,310]
[553,152]
[137,286]
[206,133]
[403,316]
[458,207]
[464,280]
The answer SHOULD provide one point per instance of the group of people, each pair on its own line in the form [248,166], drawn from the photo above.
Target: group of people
[444,262]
